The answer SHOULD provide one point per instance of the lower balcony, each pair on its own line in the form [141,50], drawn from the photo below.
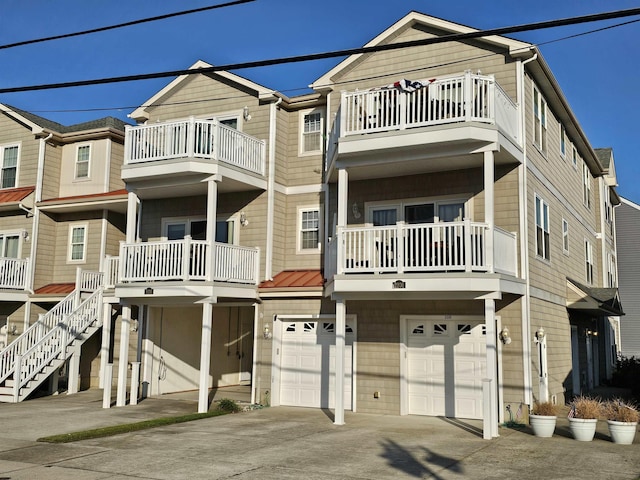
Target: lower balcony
[14,273]
[431,252]
[178,262]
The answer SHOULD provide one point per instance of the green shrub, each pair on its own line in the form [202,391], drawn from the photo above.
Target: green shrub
[228,405]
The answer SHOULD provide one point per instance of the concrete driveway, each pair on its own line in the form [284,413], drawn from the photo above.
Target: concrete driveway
[289,443]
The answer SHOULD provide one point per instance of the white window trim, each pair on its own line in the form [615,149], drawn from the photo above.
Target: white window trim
[300,210]
[75,163]
[565,234]
[399,204]
[574,158]
[546,254]
[563,137]
[2,148]
[586,185]
[301,115]
[21,234]
[84,246]
[589,274]
[612,271]
[166,221]
[541,123]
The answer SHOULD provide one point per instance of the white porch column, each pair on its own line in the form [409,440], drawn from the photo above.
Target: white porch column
[343,197]
[341,310]
[146,359]
[73,372]
[106,341]
[123,360]
[132,213]
[489,202]
[205,357]
[492,362]
[212,213]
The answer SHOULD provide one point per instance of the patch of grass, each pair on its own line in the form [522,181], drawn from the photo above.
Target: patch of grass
[128,427]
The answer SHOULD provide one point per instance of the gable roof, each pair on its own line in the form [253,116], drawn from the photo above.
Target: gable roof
[39,124]
[514,47]
[263,92]
[595,301]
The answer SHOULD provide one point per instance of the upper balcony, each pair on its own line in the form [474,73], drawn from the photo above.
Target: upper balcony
[182,267]
[452,116]
[193,148]
[14,274]
[421,257]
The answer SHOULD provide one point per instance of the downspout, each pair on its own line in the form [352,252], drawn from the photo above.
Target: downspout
[36,210]
[524,240]
[268,261]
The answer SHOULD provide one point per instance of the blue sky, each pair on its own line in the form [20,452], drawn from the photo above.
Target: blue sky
[598,72]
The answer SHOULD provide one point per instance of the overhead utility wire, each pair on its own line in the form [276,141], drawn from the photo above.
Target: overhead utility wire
[126,24]
[335,53]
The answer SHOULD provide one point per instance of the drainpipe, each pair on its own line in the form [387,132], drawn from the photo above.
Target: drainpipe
[268,261]
[524,240]
[36,211]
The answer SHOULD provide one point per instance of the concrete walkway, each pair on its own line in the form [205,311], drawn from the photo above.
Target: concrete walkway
[289,443]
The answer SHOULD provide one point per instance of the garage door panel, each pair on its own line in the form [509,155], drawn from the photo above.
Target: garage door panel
[445,366]
[308,365]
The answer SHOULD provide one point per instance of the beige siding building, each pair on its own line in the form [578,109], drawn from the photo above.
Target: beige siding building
[427,229]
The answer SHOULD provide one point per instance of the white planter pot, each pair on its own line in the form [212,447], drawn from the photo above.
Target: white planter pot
[622,432]
[583,429]
[542,425]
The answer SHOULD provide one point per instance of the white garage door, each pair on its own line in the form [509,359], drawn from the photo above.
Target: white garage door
[307,377]
[445,367]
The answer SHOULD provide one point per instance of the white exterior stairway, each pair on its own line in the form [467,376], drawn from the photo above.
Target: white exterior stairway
[56,337]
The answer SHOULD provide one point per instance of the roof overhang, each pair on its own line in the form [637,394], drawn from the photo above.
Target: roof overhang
[113,201]
[25,121]
[593,301]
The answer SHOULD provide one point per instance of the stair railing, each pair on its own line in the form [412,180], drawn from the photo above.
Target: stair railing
[54,344]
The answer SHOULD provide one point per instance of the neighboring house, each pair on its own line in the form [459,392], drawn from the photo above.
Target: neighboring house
[63,207]
[429,225]
[627,231]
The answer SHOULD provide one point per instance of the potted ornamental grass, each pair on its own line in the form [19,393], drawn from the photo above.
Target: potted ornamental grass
[583,417]
[543,419]
[622,419]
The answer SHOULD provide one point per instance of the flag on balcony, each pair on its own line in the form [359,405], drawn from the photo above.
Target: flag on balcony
[408,86]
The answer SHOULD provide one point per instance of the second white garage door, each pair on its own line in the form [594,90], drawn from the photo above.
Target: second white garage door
[307,377]
[445,367]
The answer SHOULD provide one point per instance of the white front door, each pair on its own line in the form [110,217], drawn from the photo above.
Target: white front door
[445,365]
[307,365]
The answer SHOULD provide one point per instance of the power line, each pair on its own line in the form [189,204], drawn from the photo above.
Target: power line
[336,53]
[126,24]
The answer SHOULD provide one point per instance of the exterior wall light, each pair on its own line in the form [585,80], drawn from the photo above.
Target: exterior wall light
[505,336]
[540,333]
[243,219]
[266,333]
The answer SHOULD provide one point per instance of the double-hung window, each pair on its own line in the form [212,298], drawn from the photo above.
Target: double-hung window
[611,271]
[588,261]
[77,243]
[574,158]
[9,245]
[311,132]
[9,169]
[540,121]
[563,142]
[83,157]
[542,228]
[309,237]
[586,185]
[565,236]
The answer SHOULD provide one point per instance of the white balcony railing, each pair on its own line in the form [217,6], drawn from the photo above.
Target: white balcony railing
[14,273]
[463,98]
[403,248]
[186,260]
[194,138]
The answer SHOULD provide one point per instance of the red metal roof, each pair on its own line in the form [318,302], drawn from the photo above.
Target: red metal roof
[295,279]
[56,289]
[93,195]
[12,195]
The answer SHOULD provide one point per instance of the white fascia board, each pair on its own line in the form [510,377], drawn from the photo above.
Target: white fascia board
[263,92]
[630,203]
[73,204]
[514,46]
[35,128]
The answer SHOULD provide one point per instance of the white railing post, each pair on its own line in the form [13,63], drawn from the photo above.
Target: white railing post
[489,233]
[398,249]
[127,144]
[186,257]
[64,336]
[17,373]
[402,101]
[215,141]
[76,300]
[469,247]
[340,247]
[257,266]
[122,262]
[191,137]
[467,93]
[343,113]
